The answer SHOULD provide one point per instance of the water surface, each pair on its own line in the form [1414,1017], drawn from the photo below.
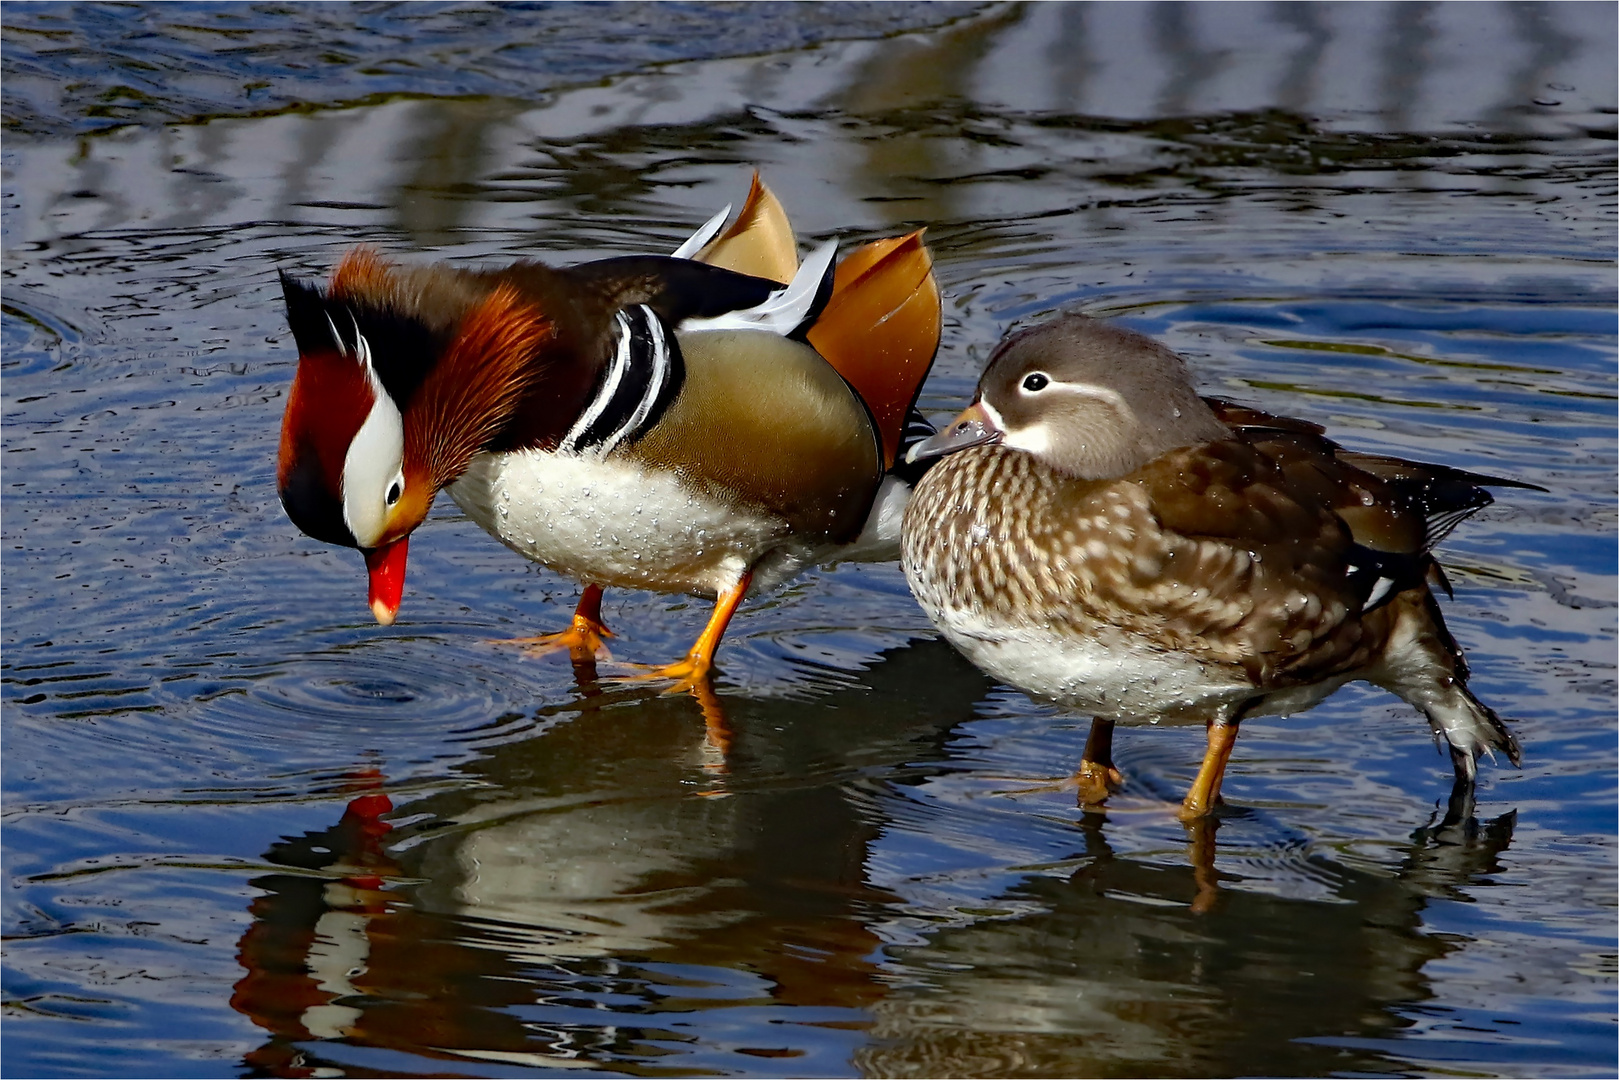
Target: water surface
[247,831]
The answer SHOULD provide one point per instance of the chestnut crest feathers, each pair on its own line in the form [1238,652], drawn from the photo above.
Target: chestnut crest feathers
[388,406]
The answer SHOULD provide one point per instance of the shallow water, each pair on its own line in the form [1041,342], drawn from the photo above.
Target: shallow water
[248,831]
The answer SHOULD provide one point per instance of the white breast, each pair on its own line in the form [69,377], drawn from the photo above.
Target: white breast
[1108,672]
[879,539]
[613,522]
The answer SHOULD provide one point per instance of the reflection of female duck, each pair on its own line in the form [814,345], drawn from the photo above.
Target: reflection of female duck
[1115,973]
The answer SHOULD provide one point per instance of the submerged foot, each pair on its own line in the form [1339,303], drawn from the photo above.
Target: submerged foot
[583,639]
[1094,781]
[1091,782]
[693,672]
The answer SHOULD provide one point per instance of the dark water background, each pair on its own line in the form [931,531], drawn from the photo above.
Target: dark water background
[249,832]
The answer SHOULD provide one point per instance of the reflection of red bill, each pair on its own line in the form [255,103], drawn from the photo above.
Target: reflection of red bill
[387,567]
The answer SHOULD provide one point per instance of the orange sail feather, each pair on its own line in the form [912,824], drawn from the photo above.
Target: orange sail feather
[881,329]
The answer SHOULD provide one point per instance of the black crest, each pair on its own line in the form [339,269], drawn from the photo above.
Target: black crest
[403,348]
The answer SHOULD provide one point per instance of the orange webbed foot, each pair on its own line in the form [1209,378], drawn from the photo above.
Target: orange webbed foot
[583,640]
[693,672]
[584,637]
[1095,781]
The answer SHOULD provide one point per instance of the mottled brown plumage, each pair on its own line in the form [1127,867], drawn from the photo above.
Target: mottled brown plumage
[1101,537]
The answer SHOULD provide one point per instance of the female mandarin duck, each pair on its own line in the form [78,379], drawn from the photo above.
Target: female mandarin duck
[706,423]
[1102,537]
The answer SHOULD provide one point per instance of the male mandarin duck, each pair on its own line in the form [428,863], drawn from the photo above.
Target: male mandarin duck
[710,422]
[1098,535]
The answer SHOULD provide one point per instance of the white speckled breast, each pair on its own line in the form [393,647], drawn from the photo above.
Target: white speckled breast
[613,522]
[1024,607]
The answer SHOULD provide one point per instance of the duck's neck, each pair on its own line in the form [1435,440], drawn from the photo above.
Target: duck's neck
[497,361]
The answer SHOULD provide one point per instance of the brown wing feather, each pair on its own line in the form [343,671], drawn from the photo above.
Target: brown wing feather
[1259,542]
[881,329]
[1390,504]
[795,443]
[759,242]
[1380,515]
[1206,554]
[1236,415]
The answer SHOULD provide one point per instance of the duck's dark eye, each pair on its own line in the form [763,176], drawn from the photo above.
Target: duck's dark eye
[394,491]
[1035,383]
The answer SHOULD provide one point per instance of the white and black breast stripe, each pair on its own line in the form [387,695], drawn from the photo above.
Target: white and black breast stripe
[642,378]
[917,428]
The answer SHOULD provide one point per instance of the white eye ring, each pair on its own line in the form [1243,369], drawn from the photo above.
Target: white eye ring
[396,488]
[1034,382]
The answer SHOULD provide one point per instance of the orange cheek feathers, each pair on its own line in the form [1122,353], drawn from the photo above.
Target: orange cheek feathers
[412,508]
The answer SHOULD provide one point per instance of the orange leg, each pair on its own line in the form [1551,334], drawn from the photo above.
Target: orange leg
[582,638]
[1200,848]
[718,736]
[693,671]
[1097,778]
[1205,793]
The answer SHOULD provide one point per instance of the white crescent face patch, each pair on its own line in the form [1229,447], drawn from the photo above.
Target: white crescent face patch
[1037,438]
[373,468]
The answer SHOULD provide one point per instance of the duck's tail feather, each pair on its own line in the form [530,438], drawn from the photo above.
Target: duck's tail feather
[1423,664]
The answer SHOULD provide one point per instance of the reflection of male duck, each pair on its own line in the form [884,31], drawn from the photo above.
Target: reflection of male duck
[578,898]
[577,864]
